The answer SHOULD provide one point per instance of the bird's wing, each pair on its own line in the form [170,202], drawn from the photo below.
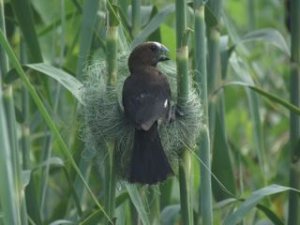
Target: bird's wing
[145,102]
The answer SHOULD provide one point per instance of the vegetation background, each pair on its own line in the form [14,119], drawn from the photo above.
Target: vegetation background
[250,129]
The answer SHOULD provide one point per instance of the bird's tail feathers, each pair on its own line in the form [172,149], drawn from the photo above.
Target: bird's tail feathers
[149,163]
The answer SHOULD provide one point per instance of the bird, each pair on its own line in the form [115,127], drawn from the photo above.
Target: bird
[146,97]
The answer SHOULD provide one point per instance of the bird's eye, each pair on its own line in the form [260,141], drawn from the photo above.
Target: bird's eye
[153,47]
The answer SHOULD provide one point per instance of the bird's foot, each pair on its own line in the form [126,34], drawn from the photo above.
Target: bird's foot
[174,112]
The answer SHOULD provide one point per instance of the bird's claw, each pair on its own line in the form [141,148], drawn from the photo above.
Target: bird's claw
[174,112]
[178,111]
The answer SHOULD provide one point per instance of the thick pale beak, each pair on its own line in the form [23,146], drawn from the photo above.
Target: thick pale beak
[163,53]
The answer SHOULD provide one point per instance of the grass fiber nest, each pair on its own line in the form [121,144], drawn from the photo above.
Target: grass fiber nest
[105,122]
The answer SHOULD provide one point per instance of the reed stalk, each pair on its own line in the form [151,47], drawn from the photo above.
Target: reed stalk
[89,10]
[201,81]
[24,15]
[136,17]
[251,14]
[43,111]
[12,194]
[213,59]
[294,203]
[183,86]
[111,61]
[8,195]
[3,57]
[220,149]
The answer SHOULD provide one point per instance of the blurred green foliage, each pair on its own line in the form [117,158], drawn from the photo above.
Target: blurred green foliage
[71,35]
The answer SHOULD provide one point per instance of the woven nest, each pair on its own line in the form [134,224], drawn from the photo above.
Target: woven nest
[105,122]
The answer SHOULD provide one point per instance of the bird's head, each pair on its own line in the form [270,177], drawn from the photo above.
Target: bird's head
[147,54]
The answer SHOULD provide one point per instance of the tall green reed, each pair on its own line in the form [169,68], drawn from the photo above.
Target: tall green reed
[86,34]
[201,84]
[42,109]
[12,192]
[294,202]
[136,17]
[111,60]
[221,165]
[183,86]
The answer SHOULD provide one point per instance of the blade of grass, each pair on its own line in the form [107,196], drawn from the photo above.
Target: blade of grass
[153,199]
[169,215]
[23,12]
[270,36]
[96,216]
[45,30]
[138,203]
[47,153]
[9,110]
[33,206]
[155,23]
[62,145]
[12,134]
[3,57]
[253,200]
[8,194]
[65,79]
[269,95]
[87,29]
[221,164]
[258,139]
[48,149]
[90,9]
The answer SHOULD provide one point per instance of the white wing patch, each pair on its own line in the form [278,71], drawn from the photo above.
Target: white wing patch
[166,103]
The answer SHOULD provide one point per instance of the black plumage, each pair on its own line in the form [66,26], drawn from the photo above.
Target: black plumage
[146,100]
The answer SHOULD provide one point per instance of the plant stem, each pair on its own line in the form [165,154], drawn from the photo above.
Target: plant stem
[9,203]
[154,203]
[111,53]
[251,14]
[136,17]
[201,79]
[3,57]
[43,111]
[23,12]
[213,60]
[254,102]
[90,9]
[183,92]
[111,44]
[185,169]
[294,203]
[110,184]
[182,53]
[207,137]
[10,151]
[111,60]
[12,133]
